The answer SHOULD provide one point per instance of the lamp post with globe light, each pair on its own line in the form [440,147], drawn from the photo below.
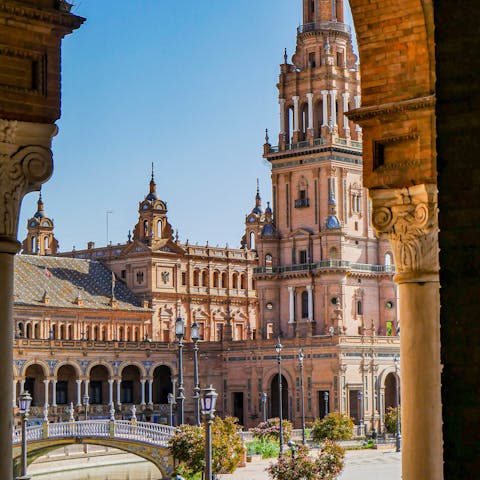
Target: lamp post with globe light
[209,399]
[24,402]
[195,335]
[264,406]
[180,334]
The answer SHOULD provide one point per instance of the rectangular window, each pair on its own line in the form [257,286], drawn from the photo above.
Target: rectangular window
[123,274]
[96,392]
[311,60]
[302,256]
[62,392]
[184,278]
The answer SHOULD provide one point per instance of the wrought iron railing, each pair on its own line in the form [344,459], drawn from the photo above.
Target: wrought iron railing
[326,264]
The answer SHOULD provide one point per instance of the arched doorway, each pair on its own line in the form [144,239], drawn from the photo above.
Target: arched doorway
[65,390]
[99,385]
[162,384]
[130,387]
[274,398]
[390,391]
[34,384]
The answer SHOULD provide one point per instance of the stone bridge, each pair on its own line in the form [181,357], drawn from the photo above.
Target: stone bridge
[147,440]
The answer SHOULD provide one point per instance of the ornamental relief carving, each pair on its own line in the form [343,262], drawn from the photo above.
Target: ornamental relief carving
[21,173]
[409,219]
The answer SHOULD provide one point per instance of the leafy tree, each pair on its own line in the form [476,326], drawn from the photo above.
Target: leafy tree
[188,447]
[270,430]
[335,426]
[327,465]
[390,419]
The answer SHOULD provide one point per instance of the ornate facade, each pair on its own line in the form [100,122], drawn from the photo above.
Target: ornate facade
[310,271]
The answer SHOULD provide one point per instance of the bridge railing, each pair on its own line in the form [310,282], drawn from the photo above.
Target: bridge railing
[151,433]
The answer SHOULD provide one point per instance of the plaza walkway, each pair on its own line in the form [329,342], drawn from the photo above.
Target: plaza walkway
[359,465]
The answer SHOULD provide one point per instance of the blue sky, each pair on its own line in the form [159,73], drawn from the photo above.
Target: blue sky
[188,85]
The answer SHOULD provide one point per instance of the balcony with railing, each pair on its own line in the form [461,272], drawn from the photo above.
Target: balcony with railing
[316,26]
[302,203]
[308,145]
[326,265]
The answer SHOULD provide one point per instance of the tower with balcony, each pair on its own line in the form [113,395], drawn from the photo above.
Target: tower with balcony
[321,269]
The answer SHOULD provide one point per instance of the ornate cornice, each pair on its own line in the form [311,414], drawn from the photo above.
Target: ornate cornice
[408,217]
[387,109]
[52,17]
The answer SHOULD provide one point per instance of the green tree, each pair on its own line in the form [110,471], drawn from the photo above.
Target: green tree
[335,426]
[327,465]
[188,447]
[390,419]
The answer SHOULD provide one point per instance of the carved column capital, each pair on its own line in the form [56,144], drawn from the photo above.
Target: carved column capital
[408,217]
[25,164]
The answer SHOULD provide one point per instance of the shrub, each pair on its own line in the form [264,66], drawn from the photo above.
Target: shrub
[270,430]
[335,426]
[326,466]
[390,419]
[265,448]
[188,447]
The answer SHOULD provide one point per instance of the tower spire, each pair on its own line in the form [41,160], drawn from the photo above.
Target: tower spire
[153,185]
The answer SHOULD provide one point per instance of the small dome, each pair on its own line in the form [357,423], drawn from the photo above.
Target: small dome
[152,197]
[257,210]
[332,222]
[268,230]
[268,209]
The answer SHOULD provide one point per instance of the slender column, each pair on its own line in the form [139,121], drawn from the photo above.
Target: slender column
[325,107]
[54,393]
[310,302]
[22,386]
[119,383]
[85,387]
[79,393]
[14,397]
[110,391]
[333,107]
[282,102]
[310,111]
[296,123]
[150,390]
[142,391]
[357,100]
[46,383]
[346,127]
[408,218]
[291,293]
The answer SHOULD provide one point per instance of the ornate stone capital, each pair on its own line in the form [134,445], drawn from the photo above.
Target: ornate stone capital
[408,217]
[25,164]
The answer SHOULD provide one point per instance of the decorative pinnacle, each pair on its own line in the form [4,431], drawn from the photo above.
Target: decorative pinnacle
[285,56]
[152,173]
[267,138]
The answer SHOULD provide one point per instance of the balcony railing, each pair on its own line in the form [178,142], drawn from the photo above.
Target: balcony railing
[302,203]
[313,27]
[317,142]
[326,264]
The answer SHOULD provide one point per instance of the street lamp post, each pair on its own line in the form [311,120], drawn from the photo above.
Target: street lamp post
[325,401]
[171,401]
[24,402]
[180,334]
[86,399]
[398,435]
[302,392]
[360,401]
[264,406]
[196,389]
[209,398]
[278,349]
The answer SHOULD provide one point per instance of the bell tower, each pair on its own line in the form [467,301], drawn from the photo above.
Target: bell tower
[152,223]
[40,238]
[320,226]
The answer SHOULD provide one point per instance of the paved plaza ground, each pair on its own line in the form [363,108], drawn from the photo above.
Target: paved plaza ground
[359,465]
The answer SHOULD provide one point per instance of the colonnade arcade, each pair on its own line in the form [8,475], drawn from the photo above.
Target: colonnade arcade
[54,385]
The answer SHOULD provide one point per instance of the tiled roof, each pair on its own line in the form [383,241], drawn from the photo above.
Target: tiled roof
[69,277]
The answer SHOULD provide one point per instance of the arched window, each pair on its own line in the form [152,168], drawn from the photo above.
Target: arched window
[196,278]
[128,335]
[29,330]
[45,243]
[333,253]
[243,283]
[104,334]
[252,240]
[205,278]
[318,117]
[304,114]
[21,330]
[215,279]
[289,122]
[70,332]
[388,261]
[95,333]
[32,244]
[145,228]
[304,304]
[235,280]
[159,228]
[120,335]
[359,307]
[224,280]
[87,333]
[62,332]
